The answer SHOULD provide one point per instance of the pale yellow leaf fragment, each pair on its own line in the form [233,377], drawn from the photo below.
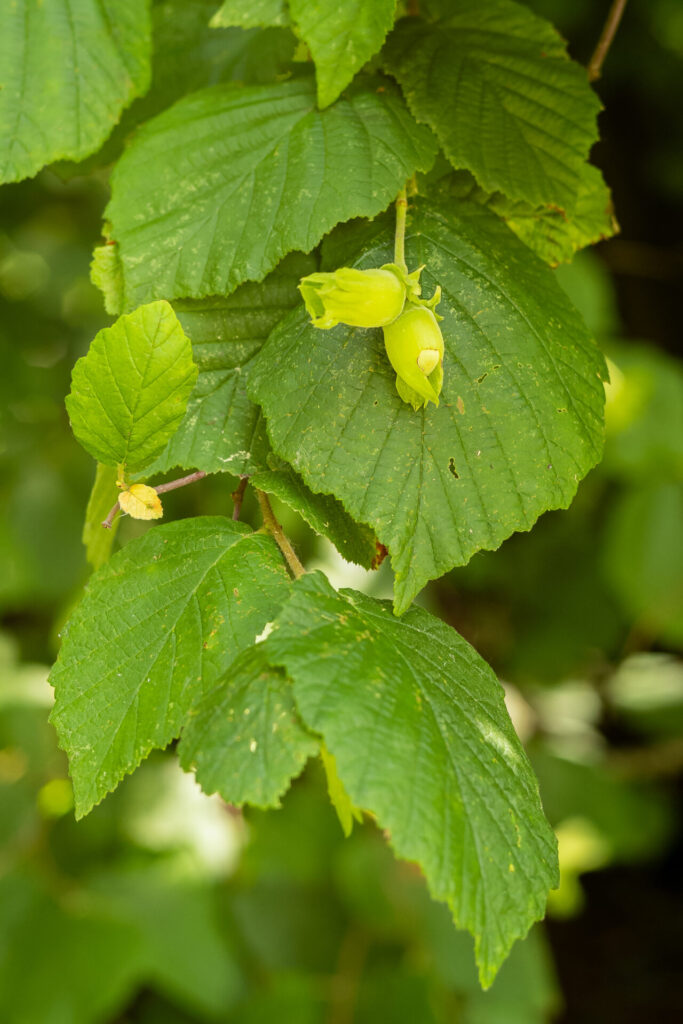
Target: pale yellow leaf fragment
[141,502]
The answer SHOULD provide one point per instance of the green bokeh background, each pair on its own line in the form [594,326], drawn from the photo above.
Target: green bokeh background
[165,906]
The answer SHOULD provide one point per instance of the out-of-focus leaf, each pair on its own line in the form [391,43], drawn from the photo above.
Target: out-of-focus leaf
[643,557]
[97,540]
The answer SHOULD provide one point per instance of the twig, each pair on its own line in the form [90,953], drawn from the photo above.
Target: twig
[182,481]
[238,495]
[605,41]
[279,536]
[400,236]
[172,485]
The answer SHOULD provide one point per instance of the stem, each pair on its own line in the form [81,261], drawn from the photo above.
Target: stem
[400,236]
[172,485]
[282,541]
[605,41]
[238,495]
[182,481]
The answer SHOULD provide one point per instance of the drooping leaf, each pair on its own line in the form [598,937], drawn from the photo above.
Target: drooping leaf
[341,38]
[220,431]
[129,393]
[494,82]
[158,625]
[256,14]
[417,724]
[68,68]
[245,740]
[551,233]
[554,235]
[520,419]
[104,495]
[216,190]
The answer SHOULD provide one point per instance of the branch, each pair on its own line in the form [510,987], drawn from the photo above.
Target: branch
[605,41]
[172,485]
[238,495]
[282,541]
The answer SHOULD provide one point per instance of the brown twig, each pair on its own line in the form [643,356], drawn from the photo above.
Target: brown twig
[238,496]
[279,536]
[605,41]
[172,485]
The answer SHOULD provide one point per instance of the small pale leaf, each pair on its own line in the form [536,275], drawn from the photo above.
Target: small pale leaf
[141,502]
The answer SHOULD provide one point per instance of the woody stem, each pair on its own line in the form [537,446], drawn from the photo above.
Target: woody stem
[283,542]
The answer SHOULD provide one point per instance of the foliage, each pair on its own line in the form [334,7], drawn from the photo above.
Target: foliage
[235,177]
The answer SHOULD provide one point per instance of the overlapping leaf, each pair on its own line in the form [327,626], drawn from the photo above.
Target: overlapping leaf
[156,629]
[255,14]
[216,190]
[323,513]
[341,38]
[551,233]
[129,393]
[520,419]
[220,431]
[245,739]
[494,82]
[417,724]
[67,69]
[97,541]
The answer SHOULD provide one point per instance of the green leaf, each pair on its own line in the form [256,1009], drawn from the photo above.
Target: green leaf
[264,173]
[256,14]
[106,273]
[167,905]
[86,960]
[220,431]
[643,557]
[103,496]
[69,67]
[339,798]
[129,394]
[553,235]
[158,625]
[188,55]
[520,419]
[418,726]
[341,38]
[323,513]
[245,740]
[494,82]
[549,232]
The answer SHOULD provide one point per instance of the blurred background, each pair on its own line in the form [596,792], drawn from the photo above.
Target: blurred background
[164,905]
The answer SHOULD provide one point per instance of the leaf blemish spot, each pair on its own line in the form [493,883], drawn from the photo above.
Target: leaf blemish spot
[452,470]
